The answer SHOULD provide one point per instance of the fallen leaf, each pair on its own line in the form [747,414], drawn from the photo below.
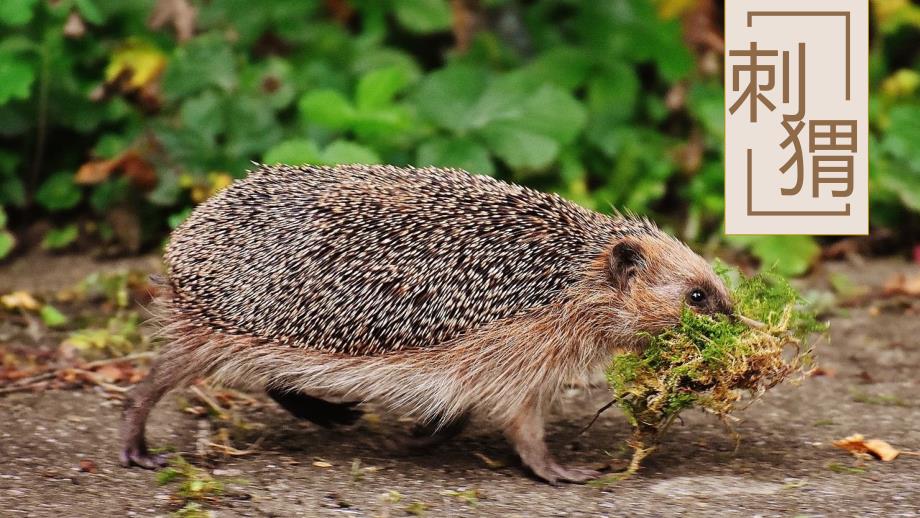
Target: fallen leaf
[87,466]
[821,371]
[901,284]
[20,300]
[180,13]
[857,445]
[74,27]
[322,464]
[137,63]
[131,165]
[491,463]
[111,373]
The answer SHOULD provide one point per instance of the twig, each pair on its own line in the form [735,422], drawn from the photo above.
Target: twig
[93,377]
[596,415]
[756,324]
[234,452]
[22,388]
[41,380]
[32,380]
[126,358]
[221,411]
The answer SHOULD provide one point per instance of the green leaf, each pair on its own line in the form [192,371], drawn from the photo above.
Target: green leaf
[206,61]
[204,114]
[504,99]
[108,193]
[327,108]
[521,149]
[555,113]
[251,129]
[344,152]
[566,67]
[446,97]
[707,104]
[377,89]
[391,124]
[903,135]
[7,243]
[89,11]
[3,217]
[384,57]
[16,77]
[787,255]
[58,238]
[460,152]
[423,16]
[176,219]
[293,152]
[58,192]
[16,12]
[52,317]
[612,94]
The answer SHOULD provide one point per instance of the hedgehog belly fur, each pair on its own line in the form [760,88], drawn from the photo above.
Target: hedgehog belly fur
[493,371]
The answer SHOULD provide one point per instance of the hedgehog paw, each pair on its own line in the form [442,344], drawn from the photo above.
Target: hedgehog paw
[553,473]
[576,475]
[137,455]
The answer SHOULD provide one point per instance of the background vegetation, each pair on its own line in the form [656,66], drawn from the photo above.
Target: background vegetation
[116,117]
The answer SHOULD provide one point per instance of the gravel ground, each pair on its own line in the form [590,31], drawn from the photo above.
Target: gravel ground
[785,466]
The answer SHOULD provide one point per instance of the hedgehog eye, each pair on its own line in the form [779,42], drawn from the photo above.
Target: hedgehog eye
[697,297]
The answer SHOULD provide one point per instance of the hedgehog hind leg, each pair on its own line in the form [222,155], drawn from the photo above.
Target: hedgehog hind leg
[165,375]
[427,435]
[318,411]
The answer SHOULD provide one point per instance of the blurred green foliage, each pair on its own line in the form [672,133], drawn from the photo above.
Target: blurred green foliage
[603,102]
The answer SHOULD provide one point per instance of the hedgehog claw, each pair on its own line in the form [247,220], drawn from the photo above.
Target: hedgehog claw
[553,473]
[139,456]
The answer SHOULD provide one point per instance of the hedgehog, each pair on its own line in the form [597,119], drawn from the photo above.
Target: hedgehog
[435,293]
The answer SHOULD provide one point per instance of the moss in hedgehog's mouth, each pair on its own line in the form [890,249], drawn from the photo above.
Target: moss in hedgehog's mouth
[709,361]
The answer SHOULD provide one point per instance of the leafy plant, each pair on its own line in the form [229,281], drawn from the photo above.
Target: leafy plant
[602,102]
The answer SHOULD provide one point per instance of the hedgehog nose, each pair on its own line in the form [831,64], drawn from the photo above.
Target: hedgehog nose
[727,309]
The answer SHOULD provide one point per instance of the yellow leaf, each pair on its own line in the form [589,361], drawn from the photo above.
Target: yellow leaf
[322,464]
[668,9]
[891,14]
[902,83]
[20,300]
[140,61]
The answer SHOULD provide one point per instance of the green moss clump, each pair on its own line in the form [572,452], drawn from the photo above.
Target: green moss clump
[709,362]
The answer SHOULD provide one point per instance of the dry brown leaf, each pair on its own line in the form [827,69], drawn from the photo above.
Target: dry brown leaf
[87,466]
[180,13]
[74,27]
[465,21]
[859,445]
[902,284]
[131,165]
[341,10]
[322,464]
[111,373]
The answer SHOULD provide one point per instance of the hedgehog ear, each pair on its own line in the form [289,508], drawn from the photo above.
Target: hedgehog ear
[624,261]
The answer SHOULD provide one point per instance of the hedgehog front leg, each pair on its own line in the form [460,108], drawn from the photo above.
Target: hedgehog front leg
[316,410]
[526,433]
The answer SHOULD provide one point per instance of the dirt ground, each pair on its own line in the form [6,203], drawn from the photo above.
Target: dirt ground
[785,466]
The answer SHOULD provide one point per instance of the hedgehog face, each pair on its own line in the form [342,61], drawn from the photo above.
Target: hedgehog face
[656,276]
